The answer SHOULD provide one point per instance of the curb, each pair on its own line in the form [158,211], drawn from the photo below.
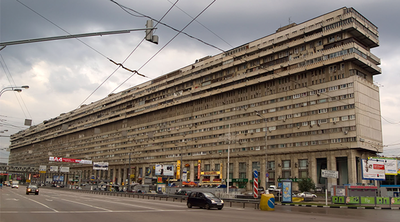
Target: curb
[341,207]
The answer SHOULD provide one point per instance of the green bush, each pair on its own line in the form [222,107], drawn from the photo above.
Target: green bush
[306,184]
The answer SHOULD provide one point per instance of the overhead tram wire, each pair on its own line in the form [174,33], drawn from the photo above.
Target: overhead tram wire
[125,8]
[122,64]
[166,43]
[204,26]
[62,29]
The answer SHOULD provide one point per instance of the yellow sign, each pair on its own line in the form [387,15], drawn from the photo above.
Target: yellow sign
[178,169]
[210,173]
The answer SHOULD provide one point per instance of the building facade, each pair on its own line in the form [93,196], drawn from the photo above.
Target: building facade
[287,105]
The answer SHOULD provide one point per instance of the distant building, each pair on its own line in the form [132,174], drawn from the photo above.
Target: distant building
[308,89]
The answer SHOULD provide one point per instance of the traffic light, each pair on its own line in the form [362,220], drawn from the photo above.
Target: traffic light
[149,32]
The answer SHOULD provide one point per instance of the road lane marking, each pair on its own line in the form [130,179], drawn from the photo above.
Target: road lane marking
[39,203]
[100,208]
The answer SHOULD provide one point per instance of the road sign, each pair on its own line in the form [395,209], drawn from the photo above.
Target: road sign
[255,184]
[330,174]
[255,174]
[267,175]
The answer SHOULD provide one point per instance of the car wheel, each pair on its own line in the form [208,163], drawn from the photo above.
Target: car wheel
[207,206]
[189,205]
[27,193]
[36,193]
[220,208]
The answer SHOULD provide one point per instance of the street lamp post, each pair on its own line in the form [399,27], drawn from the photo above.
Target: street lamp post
[13,88]
[266,147]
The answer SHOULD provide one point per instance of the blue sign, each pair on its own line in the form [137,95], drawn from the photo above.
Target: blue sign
[255,174]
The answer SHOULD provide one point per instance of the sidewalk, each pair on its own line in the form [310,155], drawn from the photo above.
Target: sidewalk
[322,204]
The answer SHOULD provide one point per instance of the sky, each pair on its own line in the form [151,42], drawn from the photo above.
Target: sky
[64,74]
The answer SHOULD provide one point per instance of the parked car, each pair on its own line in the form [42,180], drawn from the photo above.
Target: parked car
[204,200]
[261,190]
[183,192]
[32,189]
[306,195]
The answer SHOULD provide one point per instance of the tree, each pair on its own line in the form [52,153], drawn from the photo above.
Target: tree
[306,184]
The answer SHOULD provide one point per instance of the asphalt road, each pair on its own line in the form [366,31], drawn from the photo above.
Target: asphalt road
[58,205]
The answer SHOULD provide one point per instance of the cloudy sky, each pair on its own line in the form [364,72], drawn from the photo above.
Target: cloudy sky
[64,74]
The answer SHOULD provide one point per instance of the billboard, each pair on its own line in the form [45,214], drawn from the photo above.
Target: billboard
[373,169]
[100,165]
[42,168]
[68,160]
[398,166]
[58,178]
[53,168]
[164,170]
[64,169]
[391,167]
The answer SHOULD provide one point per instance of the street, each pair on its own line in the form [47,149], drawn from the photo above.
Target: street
[62,205]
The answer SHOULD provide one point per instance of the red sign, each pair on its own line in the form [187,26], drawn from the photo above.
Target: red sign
[198,169]
[68,160]
[379,167]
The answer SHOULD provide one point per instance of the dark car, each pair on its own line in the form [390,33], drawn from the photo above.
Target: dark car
[32,189]
[204,200]
[183,192]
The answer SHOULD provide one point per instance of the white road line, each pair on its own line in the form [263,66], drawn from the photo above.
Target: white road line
[100,208]
[39,203]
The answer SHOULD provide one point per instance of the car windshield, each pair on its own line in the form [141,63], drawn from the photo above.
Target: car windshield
[32,186]
[209,195]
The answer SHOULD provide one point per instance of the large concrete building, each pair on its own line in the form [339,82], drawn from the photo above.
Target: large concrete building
[288,105]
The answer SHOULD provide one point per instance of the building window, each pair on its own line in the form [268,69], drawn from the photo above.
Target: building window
[242,170]
[206,167]
[217,167]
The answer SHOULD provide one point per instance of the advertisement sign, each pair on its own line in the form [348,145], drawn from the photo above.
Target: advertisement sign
[287,192]
[58,178]
[198,169]
[42,168]
[64,169]
[164,170]
[53,168]
[68,160]
[373,169]
[398,166]
[391,167]
[178,169]
[100,165]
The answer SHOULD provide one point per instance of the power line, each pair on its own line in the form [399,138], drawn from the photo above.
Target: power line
[168,42]
[121,64]
[61,29]
[190,36]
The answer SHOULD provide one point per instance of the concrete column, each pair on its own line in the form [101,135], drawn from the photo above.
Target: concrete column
[263,170]
[351,167]
[235,168]
[295,170]
[119,176]
[192,170]
[125,174]
[331,163]
[312,167]
[249,174]
[278,169]
[109,174]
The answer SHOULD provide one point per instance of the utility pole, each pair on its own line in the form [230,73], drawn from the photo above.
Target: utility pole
[149,36]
